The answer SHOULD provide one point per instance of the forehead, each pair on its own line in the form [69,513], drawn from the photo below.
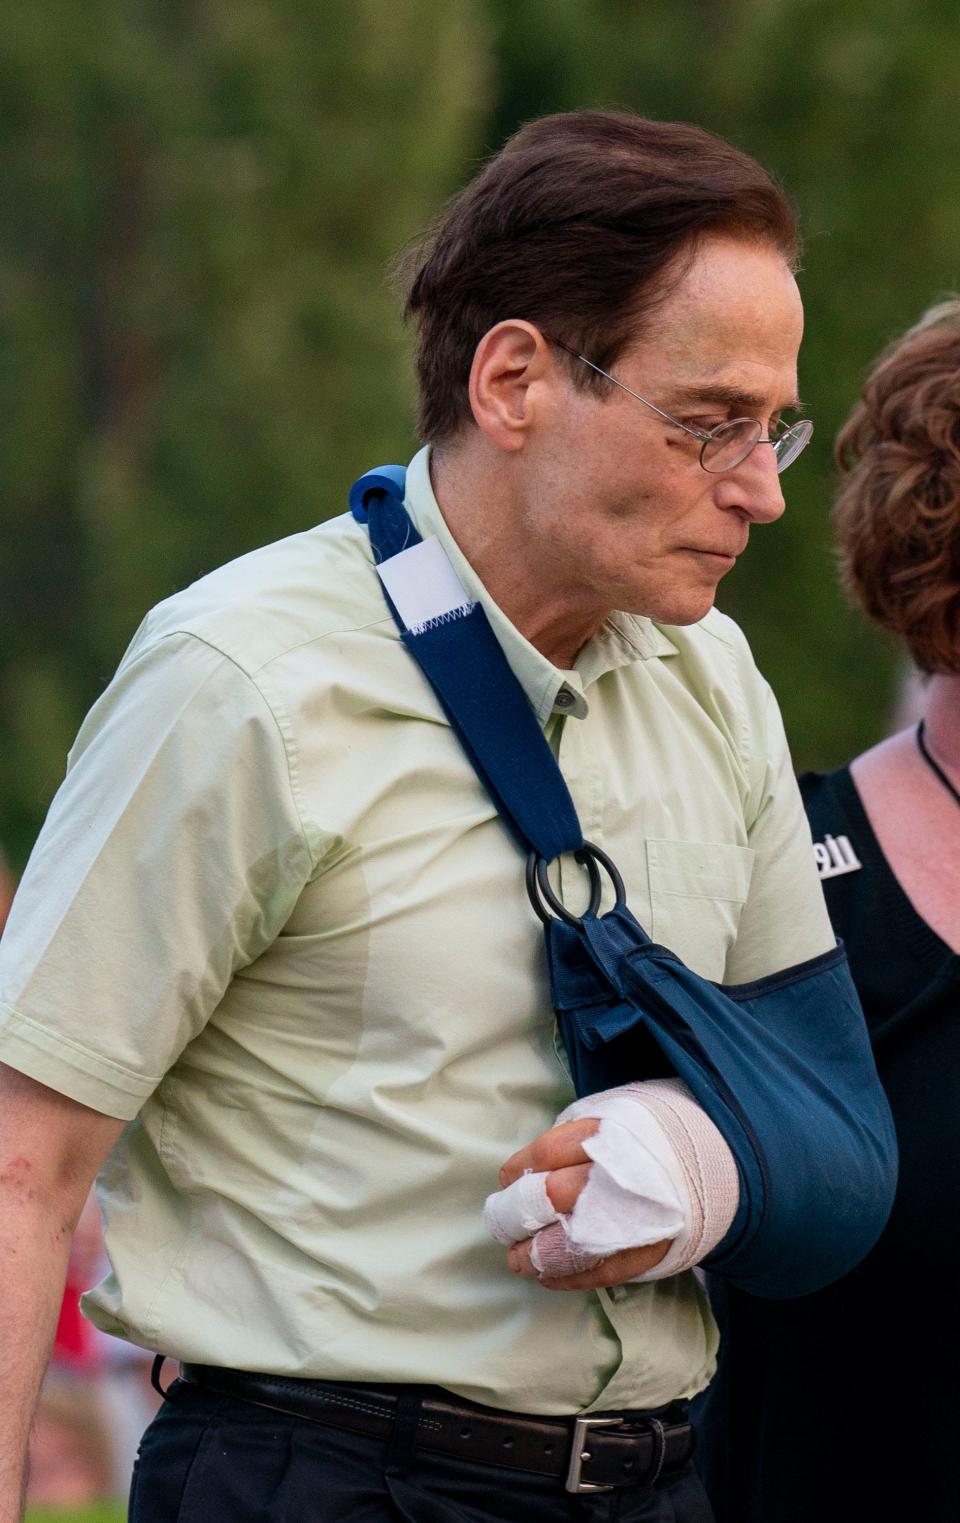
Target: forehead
[734,318]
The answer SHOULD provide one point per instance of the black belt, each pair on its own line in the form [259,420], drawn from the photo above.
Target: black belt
[588,1453]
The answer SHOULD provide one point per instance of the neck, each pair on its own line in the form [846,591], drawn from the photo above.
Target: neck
[481,507]
[942,721]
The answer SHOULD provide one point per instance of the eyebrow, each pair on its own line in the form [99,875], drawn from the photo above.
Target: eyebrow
[732,396]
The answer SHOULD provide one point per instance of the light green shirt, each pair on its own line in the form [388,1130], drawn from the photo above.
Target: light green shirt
[274,921]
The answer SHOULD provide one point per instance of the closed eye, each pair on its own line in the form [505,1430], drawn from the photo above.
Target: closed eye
[705,425]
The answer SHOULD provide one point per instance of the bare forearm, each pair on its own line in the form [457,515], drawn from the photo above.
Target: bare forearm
[34,1246]
[50,1149]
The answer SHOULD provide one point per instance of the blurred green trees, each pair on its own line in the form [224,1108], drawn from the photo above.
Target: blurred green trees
[104,1512]
[200,348]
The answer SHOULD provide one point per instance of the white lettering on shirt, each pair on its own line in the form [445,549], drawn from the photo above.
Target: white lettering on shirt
[834,855]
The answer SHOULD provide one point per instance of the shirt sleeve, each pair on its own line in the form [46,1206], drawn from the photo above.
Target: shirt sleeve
[784,921]
[172,855]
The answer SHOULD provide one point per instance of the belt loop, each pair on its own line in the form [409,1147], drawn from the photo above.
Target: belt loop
[402,1441]
[155,1370]
[660,1449]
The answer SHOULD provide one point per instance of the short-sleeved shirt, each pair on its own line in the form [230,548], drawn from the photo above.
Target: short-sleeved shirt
[274,922]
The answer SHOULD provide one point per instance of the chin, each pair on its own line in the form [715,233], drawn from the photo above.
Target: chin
[692,615]
[688,608]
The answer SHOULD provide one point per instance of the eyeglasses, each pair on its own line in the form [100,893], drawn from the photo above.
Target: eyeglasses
[728,445]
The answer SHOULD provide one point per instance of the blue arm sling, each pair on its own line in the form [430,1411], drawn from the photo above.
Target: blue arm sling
[782,1066]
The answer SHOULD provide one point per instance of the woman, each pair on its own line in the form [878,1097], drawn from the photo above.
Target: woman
[844,1406]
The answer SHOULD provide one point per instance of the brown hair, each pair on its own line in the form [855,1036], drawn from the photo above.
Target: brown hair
[897,515]
[576,225]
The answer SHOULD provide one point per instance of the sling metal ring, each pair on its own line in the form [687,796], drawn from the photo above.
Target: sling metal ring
[546,903]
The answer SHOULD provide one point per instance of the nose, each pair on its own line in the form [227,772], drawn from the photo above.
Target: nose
[753,487]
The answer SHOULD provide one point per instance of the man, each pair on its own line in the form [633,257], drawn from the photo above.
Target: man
[275,934]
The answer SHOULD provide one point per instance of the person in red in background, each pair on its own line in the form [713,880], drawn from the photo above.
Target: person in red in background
[96,1398]
[71,1454]
[7,887]
[77,1345]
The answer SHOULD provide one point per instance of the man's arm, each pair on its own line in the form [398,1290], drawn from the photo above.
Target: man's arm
[50,1149]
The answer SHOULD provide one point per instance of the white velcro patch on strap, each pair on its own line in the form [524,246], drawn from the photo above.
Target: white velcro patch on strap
[422,584]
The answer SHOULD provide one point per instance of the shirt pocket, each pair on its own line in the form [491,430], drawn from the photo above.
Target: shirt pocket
[697,893]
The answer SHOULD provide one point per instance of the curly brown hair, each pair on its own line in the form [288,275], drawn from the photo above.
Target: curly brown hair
[897,515]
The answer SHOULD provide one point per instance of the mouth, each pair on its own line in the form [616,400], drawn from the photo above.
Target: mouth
[725,558]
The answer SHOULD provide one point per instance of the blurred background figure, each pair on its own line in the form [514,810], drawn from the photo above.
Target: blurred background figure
[71,1463]
[71,1450]
[845,1405]
[97,1398]
[7,886]
[77,1346]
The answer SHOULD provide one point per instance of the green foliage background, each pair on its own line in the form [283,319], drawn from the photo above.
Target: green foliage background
[106,1512]
[199,344]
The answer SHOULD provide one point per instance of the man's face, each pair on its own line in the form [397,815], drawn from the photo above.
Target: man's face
[617,497]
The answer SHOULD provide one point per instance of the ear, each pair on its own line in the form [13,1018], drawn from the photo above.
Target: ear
[510,362]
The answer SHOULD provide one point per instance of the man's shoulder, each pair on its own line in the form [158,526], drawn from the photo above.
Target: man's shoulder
[717,669]
[280,597]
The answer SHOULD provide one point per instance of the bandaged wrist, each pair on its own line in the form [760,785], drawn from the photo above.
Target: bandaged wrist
[710,1186]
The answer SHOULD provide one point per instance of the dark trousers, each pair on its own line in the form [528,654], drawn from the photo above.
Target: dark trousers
[212,1459]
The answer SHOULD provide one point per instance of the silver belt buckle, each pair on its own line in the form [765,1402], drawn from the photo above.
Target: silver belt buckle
[579,1452]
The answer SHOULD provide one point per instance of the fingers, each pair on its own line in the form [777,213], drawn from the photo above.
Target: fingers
[554,1255]
[556,1149]
[615,1270]
[519,1260]
[513,1214]
[564,1186]
[532,1201]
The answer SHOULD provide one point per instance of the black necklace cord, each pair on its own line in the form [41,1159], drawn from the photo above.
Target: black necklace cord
[935,765]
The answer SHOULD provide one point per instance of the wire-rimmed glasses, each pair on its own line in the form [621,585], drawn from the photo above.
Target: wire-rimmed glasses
[728,445]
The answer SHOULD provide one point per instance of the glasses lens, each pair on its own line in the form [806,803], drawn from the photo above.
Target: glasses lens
[730,443]
[791,443]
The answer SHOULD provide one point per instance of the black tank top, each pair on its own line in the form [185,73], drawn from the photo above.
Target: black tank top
[844,1406]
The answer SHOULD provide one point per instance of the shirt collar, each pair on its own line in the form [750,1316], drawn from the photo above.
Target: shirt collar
[622,639]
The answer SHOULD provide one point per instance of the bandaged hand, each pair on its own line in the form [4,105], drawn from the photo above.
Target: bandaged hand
[635,1183]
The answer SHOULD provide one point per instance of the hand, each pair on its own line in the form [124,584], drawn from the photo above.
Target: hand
[560,1155]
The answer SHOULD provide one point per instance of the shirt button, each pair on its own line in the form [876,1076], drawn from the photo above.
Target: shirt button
[564,699]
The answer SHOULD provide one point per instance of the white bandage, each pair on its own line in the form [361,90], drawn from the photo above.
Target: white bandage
[520,1210]
[711,1183]
[661,1170]
[634,1194]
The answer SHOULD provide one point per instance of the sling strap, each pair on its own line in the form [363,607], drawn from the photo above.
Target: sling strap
[465,665]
